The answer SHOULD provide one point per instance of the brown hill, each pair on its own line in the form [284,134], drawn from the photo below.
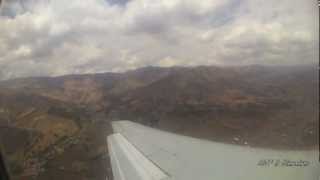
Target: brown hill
[53,121]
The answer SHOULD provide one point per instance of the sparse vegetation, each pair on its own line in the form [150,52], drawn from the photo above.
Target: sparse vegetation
[59,126]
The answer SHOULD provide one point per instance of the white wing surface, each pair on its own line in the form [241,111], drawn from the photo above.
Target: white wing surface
[142,153]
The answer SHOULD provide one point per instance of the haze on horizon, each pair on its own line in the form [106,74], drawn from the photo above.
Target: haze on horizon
[52,37]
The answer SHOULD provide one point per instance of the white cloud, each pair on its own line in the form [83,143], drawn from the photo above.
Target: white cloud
[169,61]
[59,37]
[22,51]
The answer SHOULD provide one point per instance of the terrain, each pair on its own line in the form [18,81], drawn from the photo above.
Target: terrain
[56,127]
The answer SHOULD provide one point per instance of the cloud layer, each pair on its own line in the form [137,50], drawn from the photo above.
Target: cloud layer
[56,37]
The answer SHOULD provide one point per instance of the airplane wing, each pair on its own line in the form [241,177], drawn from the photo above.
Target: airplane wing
[138,152]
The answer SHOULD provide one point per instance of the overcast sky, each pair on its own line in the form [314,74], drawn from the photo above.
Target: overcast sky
[56,37]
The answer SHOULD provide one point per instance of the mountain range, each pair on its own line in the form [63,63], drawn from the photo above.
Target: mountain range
[56,127]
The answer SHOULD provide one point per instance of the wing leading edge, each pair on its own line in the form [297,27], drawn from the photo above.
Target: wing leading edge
[128,163]
[141,153]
